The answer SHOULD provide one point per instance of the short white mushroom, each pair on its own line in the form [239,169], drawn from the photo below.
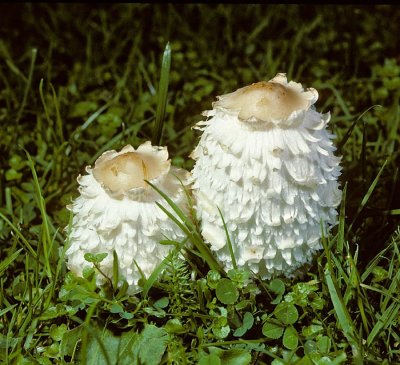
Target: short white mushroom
[265,159]
[117,210]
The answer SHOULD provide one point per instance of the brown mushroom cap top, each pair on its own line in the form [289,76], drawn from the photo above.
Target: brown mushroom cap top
[266,101]
[128,169]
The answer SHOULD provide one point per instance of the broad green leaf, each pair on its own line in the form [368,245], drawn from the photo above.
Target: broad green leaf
[277,286]
[126,315]
[157,337]
[286,312]
[312,330]
[70,340]
[103,347]
[310,347]
[324,344]
[272,330]
[57,332]
[116,308]
[12,174]
[239,276]
[95,258]
[248,321]
[290,338]
[213,278]
[221,332]
[174,325]
[210,360]
[162,302]
[226,291]
[232,356]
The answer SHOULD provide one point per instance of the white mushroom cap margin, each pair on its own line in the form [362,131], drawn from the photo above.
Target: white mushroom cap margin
[117,210]
[265,158]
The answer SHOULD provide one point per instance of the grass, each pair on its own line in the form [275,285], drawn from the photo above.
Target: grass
[78,81]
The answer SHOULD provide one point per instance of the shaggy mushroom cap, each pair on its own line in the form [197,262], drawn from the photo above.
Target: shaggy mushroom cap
[117,210]
[121,172]
[265,158]
[268,102]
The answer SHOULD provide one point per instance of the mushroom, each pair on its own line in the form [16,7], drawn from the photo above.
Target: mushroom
[117,210]
[265,159]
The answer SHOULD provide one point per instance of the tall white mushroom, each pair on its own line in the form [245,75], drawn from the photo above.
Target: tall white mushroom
[265,159]
[117,210]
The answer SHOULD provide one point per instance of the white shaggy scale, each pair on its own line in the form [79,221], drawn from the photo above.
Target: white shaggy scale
[117,211]
[266,160]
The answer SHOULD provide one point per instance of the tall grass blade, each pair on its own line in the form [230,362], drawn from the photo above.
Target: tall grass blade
[46,237]
[58,115]
[228,240]
[162,96]
[28,83]
[188,228]
[154,275]
[363,156]
[8,261]
[115,270]
[19,235]
[6,310]
[342,216]
[367,195]
[46,111]
[343,316]
[350,130]
[384,320]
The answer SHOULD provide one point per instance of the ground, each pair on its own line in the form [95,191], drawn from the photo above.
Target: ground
[80,79]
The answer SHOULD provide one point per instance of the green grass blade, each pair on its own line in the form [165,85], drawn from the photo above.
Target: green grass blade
[375,261]
[77,132]
[19,235]
[46,237]
[58,115]
[175,208]
[8,261]
[188,228]
[342,216]
[46,110]
[8,198]
[154,275]
[28,83]
[350,130]
[142,275]
[394,281]
[6,310]
[368,195]
[340,100]
[115,270]
[363,154]
[343,315]
[162,96]
[384,320]
[228,240]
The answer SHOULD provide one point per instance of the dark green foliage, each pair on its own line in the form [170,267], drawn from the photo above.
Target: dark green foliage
[78,80]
